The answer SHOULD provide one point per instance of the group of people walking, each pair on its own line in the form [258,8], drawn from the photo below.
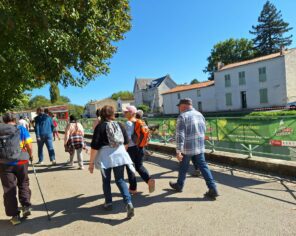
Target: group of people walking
[114,147]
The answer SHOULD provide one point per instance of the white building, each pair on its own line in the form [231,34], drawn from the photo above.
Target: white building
[91,107]
[262,82]
[123,104]
[148,92]
[202,95]
[268,81]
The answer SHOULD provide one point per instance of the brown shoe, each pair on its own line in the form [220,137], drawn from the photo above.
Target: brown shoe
[151,185]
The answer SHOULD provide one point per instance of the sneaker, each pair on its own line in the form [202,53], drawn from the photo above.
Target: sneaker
[151,185]
[26,211]
[81,168]
[108,207]
[16,220]
[211,194]
[175,186]
[132,192]
[39,163]
[130,211]
[53,163]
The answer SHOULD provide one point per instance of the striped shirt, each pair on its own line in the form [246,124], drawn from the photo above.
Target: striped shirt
[25,138]
[190,132]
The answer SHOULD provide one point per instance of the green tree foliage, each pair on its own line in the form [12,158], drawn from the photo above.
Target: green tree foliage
[64,99]
[54,92]
[144,108]
[229,51]
[269,33]
[76,110]
[123,95]
[45,41]
[194,81]
[39,101]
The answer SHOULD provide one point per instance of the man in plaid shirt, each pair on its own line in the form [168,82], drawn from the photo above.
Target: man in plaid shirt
[190,134]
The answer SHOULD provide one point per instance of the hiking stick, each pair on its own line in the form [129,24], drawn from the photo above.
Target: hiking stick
[40,190]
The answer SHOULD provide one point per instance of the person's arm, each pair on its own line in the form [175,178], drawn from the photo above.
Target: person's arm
[37,128]
[180,137]
[29,150]
[125,136]
[93,154]
[27,142]
[51,124]
[95,146]
[67,134]
[81,129]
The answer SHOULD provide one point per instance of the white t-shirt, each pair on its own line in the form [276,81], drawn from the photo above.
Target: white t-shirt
[23,123]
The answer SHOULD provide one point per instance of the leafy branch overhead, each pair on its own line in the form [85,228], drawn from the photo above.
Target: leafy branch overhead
[68,42]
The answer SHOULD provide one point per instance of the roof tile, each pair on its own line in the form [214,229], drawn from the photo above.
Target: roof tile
[182,88]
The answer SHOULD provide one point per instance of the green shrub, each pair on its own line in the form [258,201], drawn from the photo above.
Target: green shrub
[273,113]
[144,108]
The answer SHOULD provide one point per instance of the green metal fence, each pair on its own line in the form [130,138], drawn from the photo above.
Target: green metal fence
[273,137]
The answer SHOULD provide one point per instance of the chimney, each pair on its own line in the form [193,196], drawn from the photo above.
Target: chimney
[282,50]
[220,65]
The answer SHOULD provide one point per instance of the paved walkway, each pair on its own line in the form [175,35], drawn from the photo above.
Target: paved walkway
[250,204]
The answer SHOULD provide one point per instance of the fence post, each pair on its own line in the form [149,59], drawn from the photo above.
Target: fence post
[213,142]
[250,150]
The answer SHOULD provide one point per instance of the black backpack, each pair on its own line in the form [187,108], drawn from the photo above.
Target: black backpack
[9,143]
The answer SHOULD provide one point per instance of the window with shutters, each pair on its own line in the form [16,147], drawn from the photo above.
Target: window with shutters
[228,97]
[263,95]
[242,78]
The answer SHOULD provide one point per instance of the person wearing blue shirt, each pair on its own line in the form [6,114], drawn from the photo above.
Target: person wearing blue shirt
[44,129]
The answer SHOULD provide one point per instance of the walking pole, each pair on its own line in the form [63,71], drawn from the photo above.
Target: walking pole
[40,190]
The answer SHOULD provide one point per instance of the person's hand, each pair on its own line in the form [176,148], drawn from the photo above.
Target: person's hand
[179,156]
[91,167]
[31,158]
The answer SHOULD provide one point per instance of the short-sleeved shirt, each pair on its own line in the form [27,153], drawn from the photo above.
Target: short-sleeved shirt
[23,123]
[25,138]
[130,129]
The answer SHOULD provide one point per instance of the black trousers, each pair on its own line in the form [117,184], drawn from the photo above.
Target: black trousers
[13,177]
[137,155]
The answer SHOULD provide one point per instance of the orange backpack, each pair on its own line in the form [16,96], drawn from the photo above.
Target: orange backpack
[141,134]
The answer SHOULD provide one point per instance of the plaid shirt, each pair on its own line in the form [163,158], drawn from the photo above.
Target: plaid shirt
[190,133]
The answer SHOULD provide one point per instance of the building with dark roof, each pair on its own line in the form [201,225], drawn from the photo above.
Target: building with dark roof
[148,91]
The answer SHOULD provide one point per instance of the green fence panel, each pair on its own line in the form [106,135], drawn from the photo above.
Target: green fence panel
[275,131]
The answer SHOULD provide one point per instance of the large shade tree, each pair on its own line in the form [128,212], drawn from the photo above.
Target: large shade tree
[46,41]
[229,51]
[270,31]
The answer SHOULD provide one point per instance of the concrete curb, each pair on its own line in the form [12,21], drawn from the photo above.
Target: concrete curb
[274,166]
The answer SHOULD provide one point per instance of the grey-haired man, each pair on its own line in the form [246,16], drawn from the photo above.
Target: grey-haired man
[190,134]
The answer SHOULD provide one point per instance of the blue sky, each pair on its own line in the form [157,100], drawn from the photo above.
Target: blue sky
[173,37]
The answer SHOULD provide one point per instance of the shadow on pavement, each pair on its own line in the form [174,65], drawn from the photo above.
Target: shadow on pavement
[230,180]
[68,210]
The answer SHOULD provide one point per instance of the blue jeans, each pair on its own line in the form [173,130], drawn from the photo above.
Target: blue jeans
[200,163]
[47,140]
[121,184]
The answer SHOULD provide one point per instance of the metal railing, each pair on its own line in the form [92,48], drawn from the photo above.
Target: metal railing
[273,137]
